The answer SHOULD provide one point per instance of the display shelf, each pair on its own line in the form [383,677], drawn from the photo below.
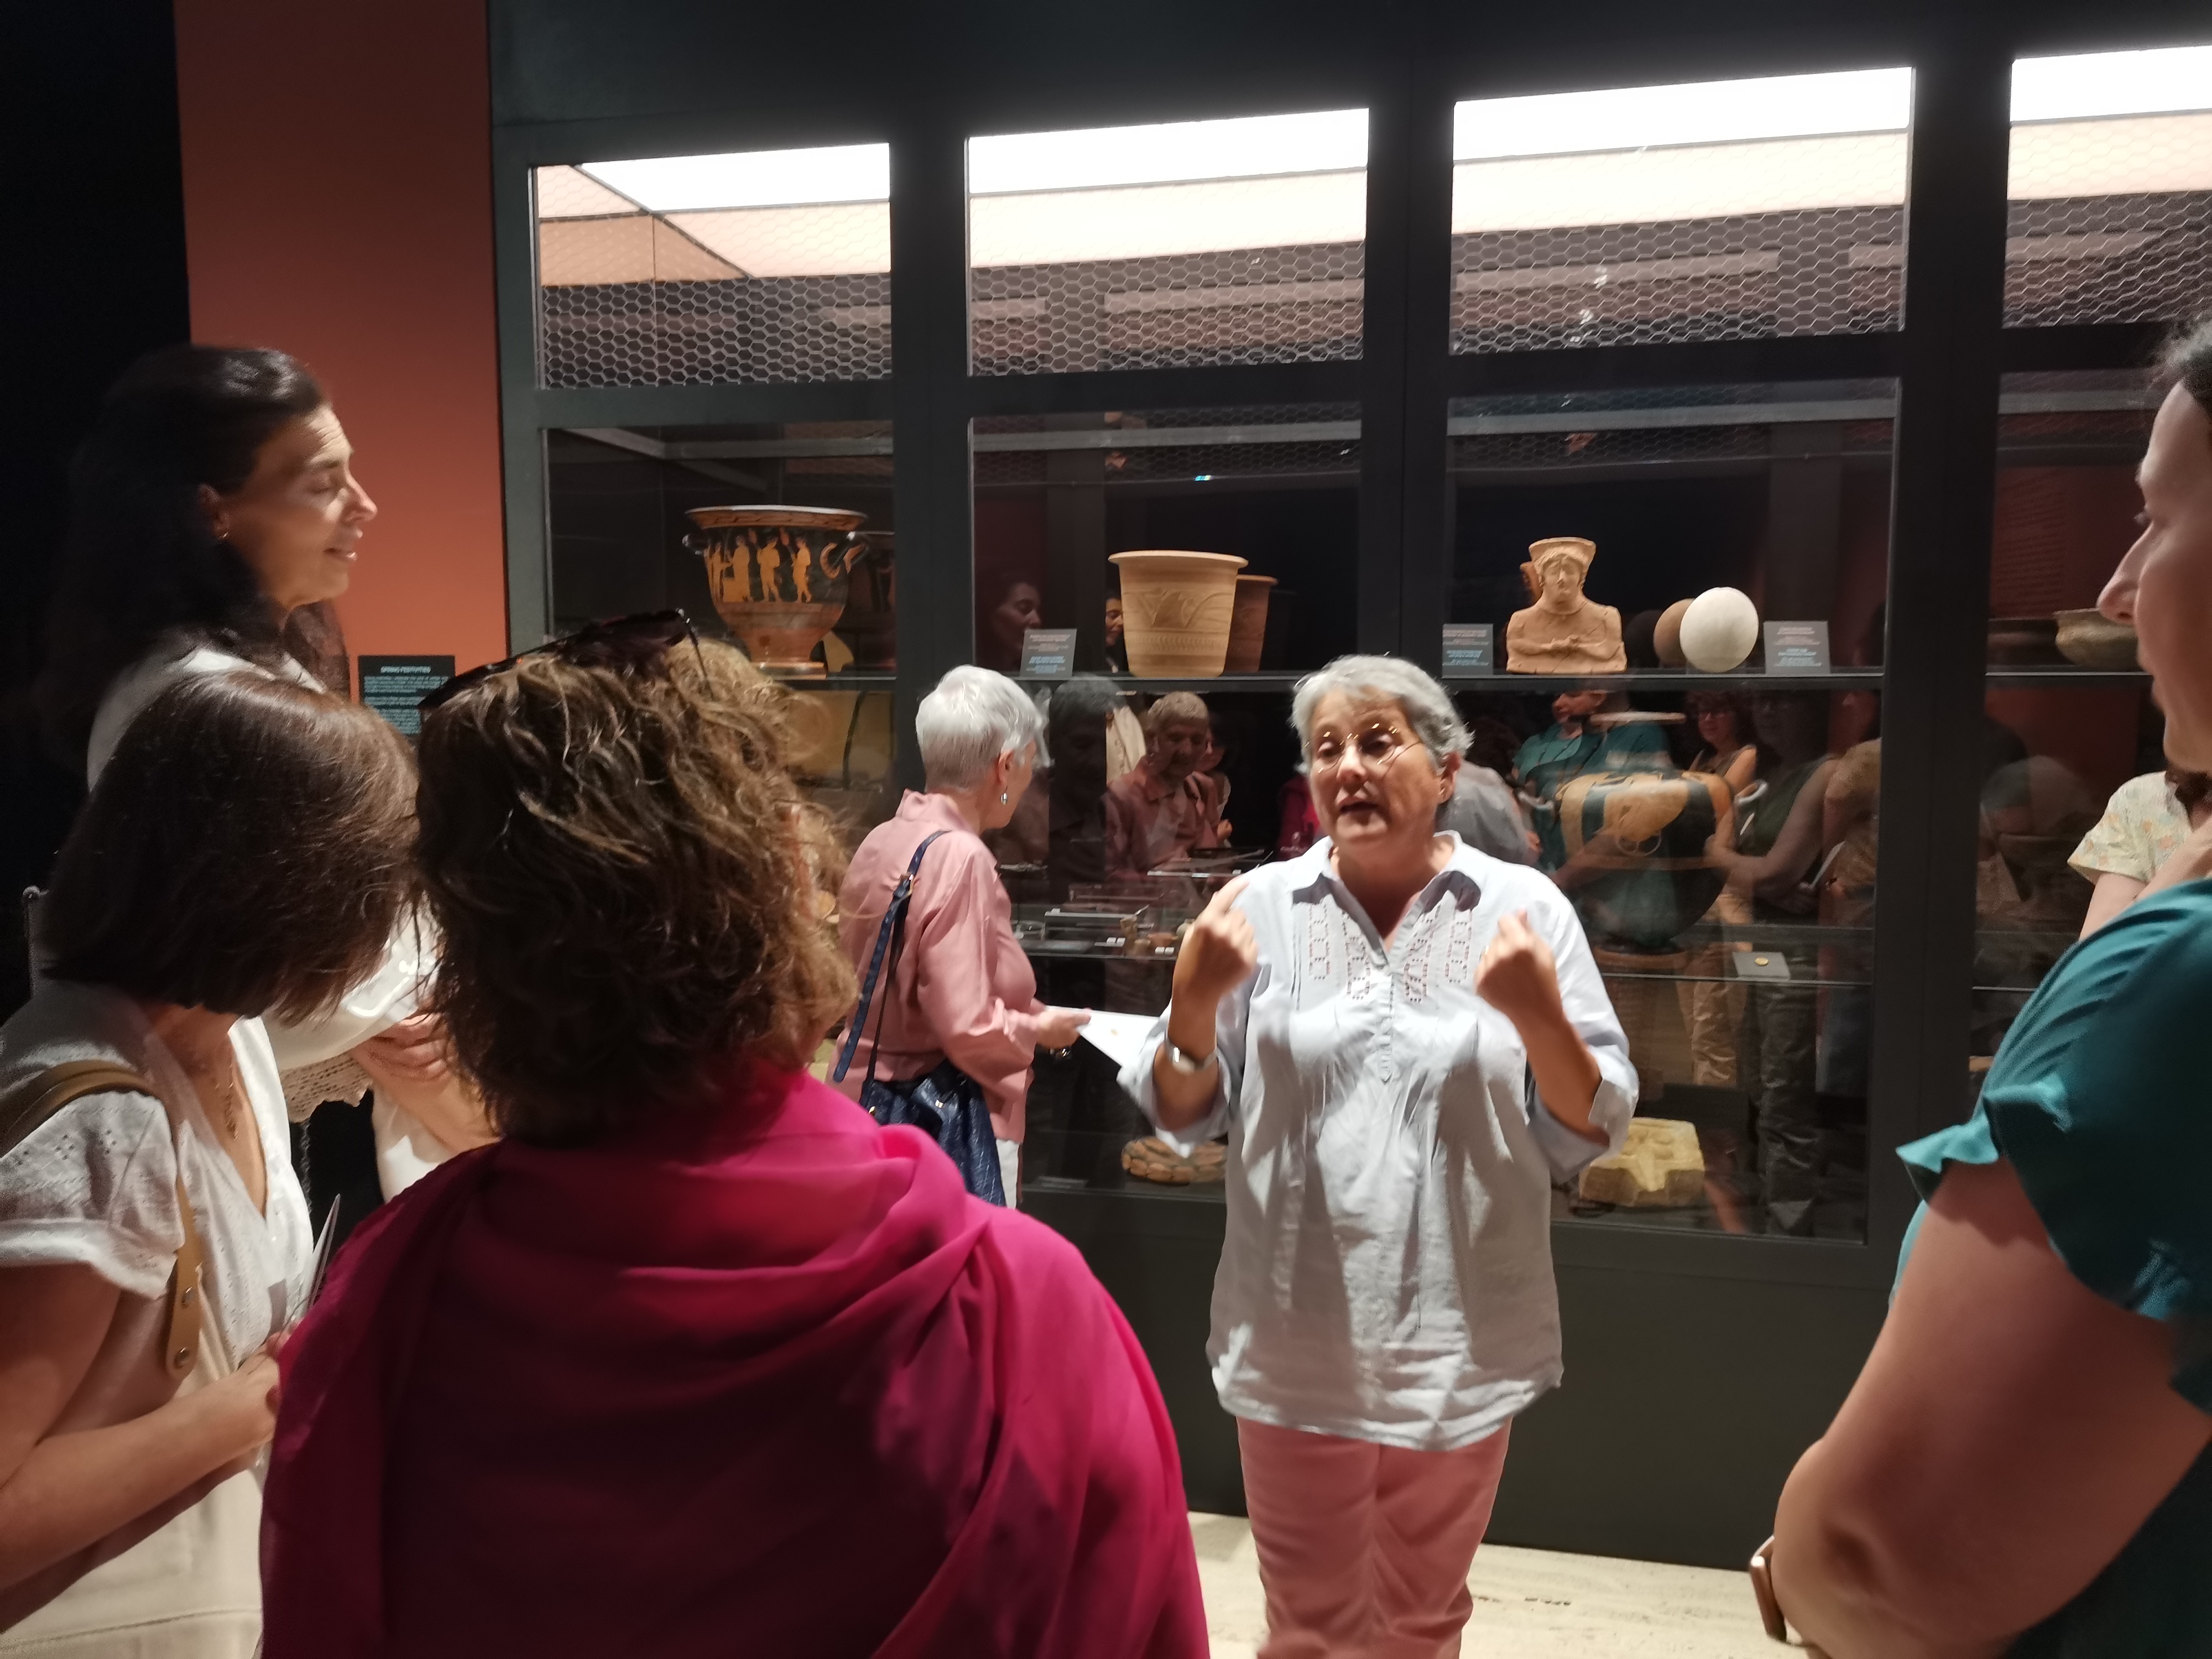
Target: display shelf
[1219,683]
[857,680]
[1667,679]
[2040,678]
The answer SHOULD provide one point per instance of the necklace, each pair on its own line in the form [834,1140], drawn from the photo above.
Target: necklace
[228,1081]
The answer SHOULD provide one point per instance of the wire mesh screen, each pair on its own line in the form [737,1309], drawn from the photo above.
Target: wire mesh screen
[1282,442]
[1207,242]
[662,288]
[1739,210]
[2109,220]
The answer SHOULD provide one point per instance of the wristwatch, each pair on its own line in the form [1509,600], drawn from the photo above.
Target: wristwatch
[1184,1060]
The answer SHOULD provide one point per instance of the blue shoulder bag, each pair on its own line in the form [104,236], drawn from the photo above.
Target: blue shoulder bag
[945,1104]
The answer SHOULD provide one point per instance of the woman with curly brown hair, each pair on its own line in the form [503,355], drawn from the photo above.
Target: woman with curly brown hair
[696,1359]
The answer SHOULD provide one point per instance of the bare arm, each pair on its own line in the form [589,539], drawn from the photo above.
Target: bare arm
[2011,1431]
[1519,978]
[62,1494]
[1775,875]
[2112,894]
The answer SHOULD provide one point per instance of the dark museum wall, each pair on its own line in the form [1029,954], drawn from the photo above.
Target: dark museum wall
[95,276]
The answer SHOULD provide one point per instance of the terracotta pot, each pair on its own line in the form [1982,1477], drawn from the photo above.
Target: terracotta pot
[870,624]
[1177,608]
[2023,639]
[778,576]
[1247,624]
[2086,639]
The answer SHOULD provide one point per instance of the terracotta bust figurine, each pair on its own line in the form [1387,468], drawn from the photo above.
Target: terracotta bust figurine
[1563,632]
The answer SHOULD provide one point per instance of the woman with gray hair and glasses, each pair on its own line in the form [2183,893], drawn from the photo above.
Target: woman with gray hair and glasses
[1407,1042]
[955,990]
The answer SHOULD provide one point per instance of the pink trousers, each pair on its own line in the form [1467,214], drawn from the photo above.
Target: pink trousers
[1364,1549]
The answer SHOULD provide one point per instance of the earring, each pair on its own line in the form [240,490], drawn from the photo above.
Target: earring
[1002,798]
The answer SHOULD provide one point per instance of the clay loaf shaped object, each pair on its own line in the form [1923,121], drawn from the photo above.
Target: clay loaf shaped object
[1563,632]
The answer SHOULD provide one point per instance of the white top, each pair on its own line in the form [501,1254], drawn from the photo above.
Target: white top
[1387,1274]
[96,1183]
[175,656]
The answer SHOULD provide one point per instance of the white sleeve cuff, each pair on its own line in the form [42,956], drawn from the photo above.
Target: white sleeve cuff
[1137,1078]
[1611,1110]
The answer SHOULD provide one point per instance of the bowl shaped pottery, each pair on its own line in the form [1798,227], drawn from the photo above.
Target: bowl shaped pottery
[1719,629]
[778,576]
[1247,624]
[2085,638]
[1636,853]
[1175,609]
[870,624]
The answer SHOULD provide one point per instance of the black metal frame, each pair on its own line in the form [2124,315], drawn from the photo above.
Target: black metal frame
[934,78]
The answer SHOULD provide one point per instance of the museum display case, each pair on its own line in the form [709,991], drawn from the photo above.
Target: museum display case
[1758,554]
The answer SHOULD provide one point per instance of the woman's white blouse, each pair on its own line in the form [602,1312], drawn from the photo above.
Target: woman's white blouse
[96,1183]
[1387,1274]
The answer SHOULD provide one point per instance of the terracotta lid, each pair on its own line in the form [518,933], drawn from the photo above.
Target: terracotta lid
[1228,559]
[770,517]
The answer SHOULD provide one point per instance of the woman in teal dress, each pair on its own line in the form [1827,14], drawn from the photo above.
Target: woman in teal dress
[2022,1467]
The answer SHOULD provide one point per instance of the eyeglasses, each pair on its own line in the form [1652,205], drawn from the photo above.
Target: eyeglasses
[1378,747]
[632,645]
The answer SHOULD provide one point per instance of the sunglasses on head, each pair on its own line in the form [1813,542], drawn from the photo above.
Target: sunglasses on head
[631,645]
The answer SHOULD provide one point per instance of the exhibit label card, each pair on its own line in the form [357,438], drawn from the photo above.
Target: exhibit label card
[1048,654]
[393,685]
[1467,648]
[1796,647]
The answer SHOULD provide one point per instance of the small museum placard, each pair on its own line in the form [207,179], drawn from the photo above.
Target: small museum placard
[393,685]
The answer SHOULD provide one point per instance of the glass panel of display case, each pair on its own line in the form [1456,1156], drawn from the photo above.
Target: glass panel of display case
[1722,210]
[2111,215]
[762,266]
[2066,504]
[1152,802]
[776,537]
[1684,590]
[1720,848]
[1092,521]
[1230,241]
[2078,810]
[1779,492]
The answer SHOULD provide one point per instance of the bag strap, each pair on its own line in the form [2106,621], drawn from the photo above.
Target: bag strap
[890,938]
[37,1099]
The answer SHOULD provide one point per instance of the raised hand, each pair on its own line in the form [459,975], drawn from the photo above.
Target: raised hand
[1517,977]
[1219,952]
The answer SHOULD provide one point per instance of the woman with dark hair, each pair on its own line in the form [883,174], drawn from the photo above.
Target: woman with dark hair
[213,500]
[153,1241]
[2025,1464]
[695,1359]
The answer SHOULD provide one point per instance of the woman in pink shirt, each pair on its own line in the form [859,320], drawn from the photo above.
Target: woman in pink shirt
[959,991]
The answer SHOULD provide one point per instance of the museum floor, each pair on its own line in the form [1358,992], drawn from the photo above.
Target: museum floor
[1529,1604]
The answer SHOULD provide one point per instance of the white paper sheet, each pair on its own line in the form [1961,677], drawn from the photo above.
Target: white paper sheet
[1117,1036]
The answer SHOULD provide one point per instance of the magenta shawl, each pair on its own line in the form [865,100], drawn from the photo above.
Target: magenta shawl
[760,1381]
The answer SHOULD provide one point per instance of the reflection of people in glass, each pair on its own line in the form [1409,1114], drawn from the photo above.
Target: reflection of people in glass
[1117,652]
[1019,608]
[1711,1007]
[2144,825]
[1166,807]
[2021,1466]
[1776,845]
[1576,743]
[1077,724]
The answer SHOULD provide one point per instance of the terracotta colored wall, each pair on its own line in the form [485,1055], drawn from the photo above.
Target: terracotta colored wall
[338,204]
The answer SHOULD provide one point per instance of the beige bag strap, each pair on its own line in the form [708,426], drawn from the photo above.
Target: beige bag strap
[33,1102]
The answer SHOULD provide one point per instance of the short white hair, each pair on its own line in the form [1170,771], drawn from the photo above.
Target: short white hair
[1425,704]
[971,717]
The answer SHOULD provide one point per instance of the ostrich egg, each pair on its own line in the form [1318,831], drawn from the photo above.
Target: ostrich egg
[1667,639]
[1719,629]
